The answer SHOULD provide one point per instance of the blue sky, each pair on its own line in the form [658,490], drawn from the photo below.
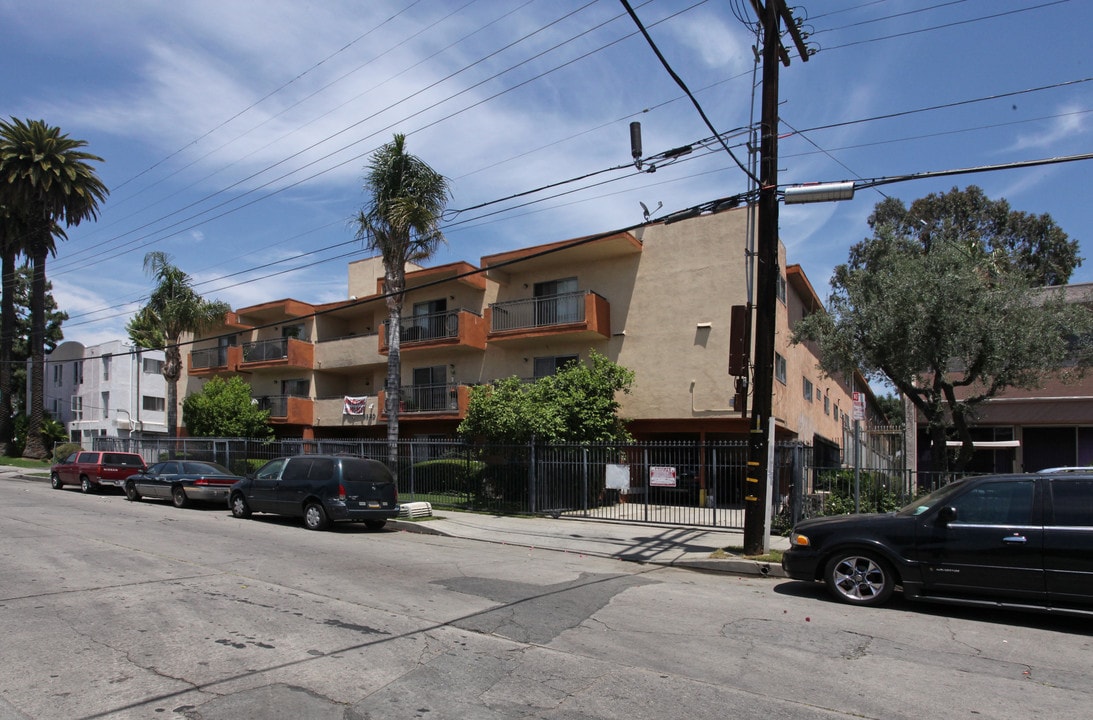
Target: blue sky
[235,133]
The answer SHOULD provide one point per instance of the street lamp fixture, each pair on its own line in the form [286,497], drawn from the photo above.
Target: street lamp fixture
[819,192]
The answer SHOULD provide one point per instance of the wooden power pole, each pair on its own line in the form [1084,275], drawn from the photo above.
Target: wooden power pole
[771,14]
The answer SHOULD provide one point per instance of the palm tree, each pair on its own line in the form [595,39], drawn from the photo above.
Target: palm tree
[47,179]
[12,232]
[173,308]
[406,198]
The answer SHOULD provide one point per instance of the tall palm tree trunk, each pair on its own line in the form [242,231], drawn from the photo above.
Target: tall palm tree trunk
[7,342]
[172,371]
[393,403]
[35,447]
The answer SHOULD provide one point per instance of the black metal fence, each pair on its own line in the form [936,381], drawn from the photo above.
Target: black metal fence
[672,483]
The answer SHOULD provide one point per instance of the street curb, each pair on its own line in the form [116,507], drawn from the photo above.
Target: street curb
[693,561]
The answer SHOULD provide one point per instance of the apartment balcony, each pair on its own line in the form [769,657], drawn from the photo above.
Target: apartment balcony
[420,402]
[443,332]
[577,315]
[277,353]
[214,361]
[331,412]
[288,409]
[348,354]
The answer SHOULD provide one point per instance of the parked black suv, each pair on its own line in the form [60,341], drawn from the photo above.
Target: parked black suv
[321,489]
[1022,541]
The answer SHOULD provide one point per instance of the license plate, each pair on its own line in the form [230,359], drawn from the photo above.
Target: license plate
[370,504]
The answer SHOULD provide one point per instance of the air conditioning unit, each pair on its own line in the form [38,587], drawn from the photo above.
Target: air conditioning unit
[415,510]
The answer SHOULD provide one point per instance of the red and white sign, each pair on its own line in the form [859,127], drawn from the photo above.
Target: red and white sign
[859,406]
[662,476]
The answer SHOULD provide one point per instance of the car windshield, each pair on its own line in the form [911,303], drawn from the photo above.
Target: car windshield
[937,497]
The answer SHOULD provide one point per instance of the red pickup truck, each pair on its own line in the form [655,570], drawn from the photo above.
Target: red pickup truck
[92,470]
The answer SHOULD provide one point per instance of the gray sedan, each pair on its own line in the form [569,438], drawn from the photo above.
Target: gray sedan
[182,481]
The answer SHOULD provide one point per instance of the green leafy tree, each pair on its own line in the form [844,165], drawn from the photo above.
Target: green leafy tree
[949,321]
[401,220]
[576,404]
[173,309]
[225,409]
[48,181]
[1006,240]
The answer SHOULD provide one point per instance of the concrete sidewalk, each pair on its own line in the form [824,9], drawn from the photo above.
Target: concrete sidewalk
[671,545]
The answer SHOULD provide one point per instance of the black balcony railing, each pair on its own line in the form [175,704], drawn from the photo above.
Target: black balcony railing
[209,358]
[425,328]
[439,397]
[544,311]
[262,350]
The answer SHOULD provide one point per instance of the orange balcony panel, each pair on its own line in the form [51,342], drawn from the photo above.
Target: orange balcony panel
[281,352]
[296,411]
[585,316]
[460,329]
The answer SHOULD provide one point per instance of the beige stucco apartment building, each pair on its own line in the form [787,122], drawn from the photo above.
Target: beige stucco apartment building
[657,301]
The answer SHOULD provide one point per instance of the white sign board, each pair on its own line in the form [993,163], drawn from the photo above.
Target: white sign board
[618,478]
[662,476]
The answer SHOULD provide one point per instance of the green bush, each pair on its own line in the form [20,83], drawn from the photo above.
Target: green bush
[874,494]
[449,475]
[60,452]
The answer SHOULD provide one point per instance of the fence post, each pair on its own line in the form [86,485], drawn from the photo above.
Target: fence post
[584,480]
[533,505]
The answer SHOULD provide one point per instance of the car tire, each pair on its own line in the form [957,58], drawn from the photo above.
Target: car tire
[239,506]
[315,517]
[178,497]
[375,524]
[85,485]
[55,481]
[131,492]
[859,578]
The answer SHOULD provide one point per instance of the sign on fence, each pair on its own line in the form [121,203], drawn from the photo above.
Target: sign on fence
[662,476]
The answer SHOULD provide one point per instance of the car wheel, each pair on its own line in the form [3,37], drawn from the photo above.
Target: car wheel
[859,578]
[131,491]
[375,524]
[315,517]
[178,497]
[239,506]
[55,481]
[85,484]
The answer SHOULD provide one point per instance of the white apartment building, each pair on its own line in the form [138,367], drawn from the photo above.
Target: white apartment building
[107,390]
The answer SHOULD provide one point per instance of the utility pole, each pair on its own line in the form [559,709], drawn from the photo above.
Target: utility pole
[771,14]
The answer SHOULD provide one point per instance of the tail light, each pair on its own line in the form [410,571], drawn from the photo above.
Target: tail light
[341,492]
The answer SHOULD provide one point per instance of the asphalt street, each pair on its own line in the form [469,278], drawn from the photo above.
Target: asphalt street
[112,609]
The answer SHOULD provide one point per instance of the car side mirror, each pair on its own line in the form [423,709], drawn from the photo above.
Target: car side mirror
[946,515]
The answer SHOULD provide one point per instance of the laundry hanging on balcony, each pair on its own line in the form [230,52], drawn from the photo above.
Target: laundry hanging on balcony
[355,405]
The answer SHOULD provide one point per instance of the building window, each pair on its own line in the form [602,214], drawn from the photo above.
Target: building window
[827,404]
[153,367]
[105,368]
[780,368]
[77,407]
[781,288]
[58,375]
[836,412]
[547,366]
[155,404]
[808,389]
[77,372]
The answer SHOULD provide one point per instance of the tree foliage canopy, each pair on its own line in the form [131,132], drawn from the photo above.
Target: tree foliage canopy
[224,409]
[950,313]
[401,220]
[173,308]
[576,404]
